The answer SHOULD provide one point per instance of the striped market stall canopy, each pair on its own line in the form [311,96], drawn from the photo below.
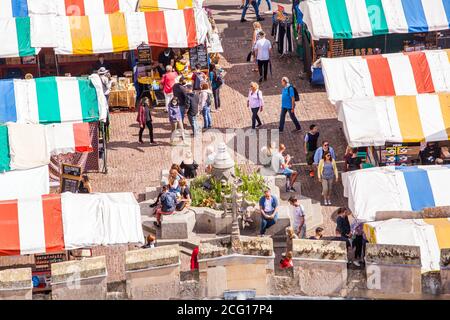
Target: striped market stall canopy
[15,37]
[347,19]
[156,5]
[387,75]
[52,100]
[121,32]
[52,223]
[24,8]
[431,235]
[399,119]
[24,183]
[396,189]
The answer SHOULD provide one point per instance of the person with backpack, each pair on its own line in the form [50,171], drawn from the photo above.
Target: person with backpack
[198,78]
[255,103]
[216,83]
[192,107]
[179,92]
[289,96]
[205,105]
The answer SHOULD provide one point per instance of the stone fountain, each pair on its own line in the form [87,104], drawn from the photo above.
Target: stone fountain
[223,166]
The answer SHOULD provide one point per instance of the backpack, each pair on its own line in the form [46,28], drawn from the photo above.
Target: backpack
[296,95]
[218,80]
[208,100]
[199,79]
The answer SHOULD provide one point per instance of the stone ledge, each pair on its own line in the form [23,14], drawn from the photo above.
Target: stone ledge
[392,254]
[78,269]
[15,279]
[445,258]
[255,246]
[151,258]
[319,249]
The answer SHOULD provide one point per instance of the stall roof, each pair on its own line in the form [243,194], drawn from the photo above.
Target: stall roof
[52,100]
[387,75]
[15,38]
[400,119]
[347,19]
[155,5]
[24,183]
[431,235]
[396,189]
[52,223]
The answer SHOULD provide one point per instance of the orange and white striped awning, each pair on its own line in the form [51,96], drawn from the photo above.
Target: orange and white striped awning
[157,5]
[122,32]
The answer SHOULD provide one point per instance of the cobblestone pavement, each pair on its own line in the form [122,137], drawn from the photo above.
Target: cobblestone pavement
[132,167]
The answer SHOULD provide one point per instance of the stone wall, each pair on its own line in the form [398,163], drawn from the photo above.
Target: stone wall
[79,279]
[221,270]
[153,273]
[15,284]
[320,267]
[393,270]
[11,262]
[427,213]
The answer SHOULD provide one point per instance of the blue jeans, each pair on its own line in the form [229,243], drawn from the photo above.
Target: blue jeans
[194,124]
[283,119]
[254,5]
[269,4]
[206,112]
[183,112]
[266,224]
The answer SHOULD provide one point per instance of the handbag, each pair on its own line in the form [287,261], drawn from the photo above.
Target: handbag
[249,56]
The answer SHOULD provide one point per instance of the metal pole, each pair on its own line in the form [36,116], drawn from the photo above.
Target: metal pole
[39,65]
[105,153]
[56,63]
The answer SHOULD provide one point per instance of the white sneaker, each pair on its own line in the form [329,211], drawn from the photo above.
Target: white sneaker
[329,202]
[356,263]
[268,12]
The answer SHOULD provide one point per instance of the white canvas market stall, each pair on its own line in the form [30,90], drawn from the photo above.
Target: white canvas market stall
[396,189]
[431,235]
[24,183]
[387,75]
[401,119]
[52,223]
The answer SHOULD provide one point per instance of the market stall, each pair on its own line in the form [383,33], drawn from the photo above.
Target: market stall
[431,235]
[24,183]
[359,28]
[68,221]
[396,189]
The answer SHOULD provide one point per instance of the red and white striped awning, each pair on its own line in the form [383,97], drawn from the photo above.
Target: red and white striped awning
[57,222]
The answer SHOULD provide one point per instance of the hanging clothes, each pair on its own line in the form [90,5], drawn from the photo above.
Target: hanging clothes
[284,36]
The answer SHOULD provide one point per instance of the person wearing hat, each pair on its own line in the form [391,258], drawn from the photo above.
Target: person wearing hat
[189,166]
[192,103]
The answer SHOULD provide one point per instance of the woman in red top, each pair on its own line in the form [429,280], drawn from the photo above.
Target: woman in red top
[167,82]
[287,261]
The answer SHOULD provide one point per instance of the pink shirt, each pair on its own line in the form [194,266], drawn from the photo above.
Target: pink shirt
[255,100]
[168,80]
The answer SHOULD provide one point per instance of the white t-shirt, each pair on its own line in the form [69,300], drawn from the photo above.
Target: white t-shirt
[298,213]
[263,46]
[268,205]
[277,161]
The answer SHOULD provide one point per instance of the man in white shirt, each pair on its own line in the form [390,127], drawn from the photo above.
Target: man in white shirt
[299,225]
[263,49]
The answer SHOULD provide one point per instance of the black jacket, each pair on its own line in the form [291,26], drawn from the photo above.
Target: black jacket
[180,93]
[192,102]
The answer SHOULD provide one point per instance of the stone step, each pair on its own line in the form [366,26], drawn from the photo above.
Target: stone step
[145,207]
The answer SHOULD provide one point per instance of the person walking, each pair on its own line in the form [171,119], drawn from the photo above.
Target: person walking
[268,206]
[256,104]
[144,118]
[192,104]
[318,155]
[254,4]
[179,92]
[167,83]
[311,139]
[327,172]
[255,37]
[269,6]
[216,83]
[205,105]
[263,50]
[288,105]
[175,120]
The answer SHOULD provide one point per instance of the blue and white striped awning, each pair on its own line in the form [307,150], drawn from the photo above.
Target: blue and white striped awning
[347,19]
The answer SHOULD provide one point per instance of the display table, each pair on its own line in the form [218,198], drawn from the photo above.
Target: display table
[123,98]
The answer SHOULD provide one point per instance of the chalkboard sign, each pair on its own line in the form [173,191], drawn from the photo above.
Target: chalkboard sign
[71,170]
[199,55]
[69,185]
[144,53]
